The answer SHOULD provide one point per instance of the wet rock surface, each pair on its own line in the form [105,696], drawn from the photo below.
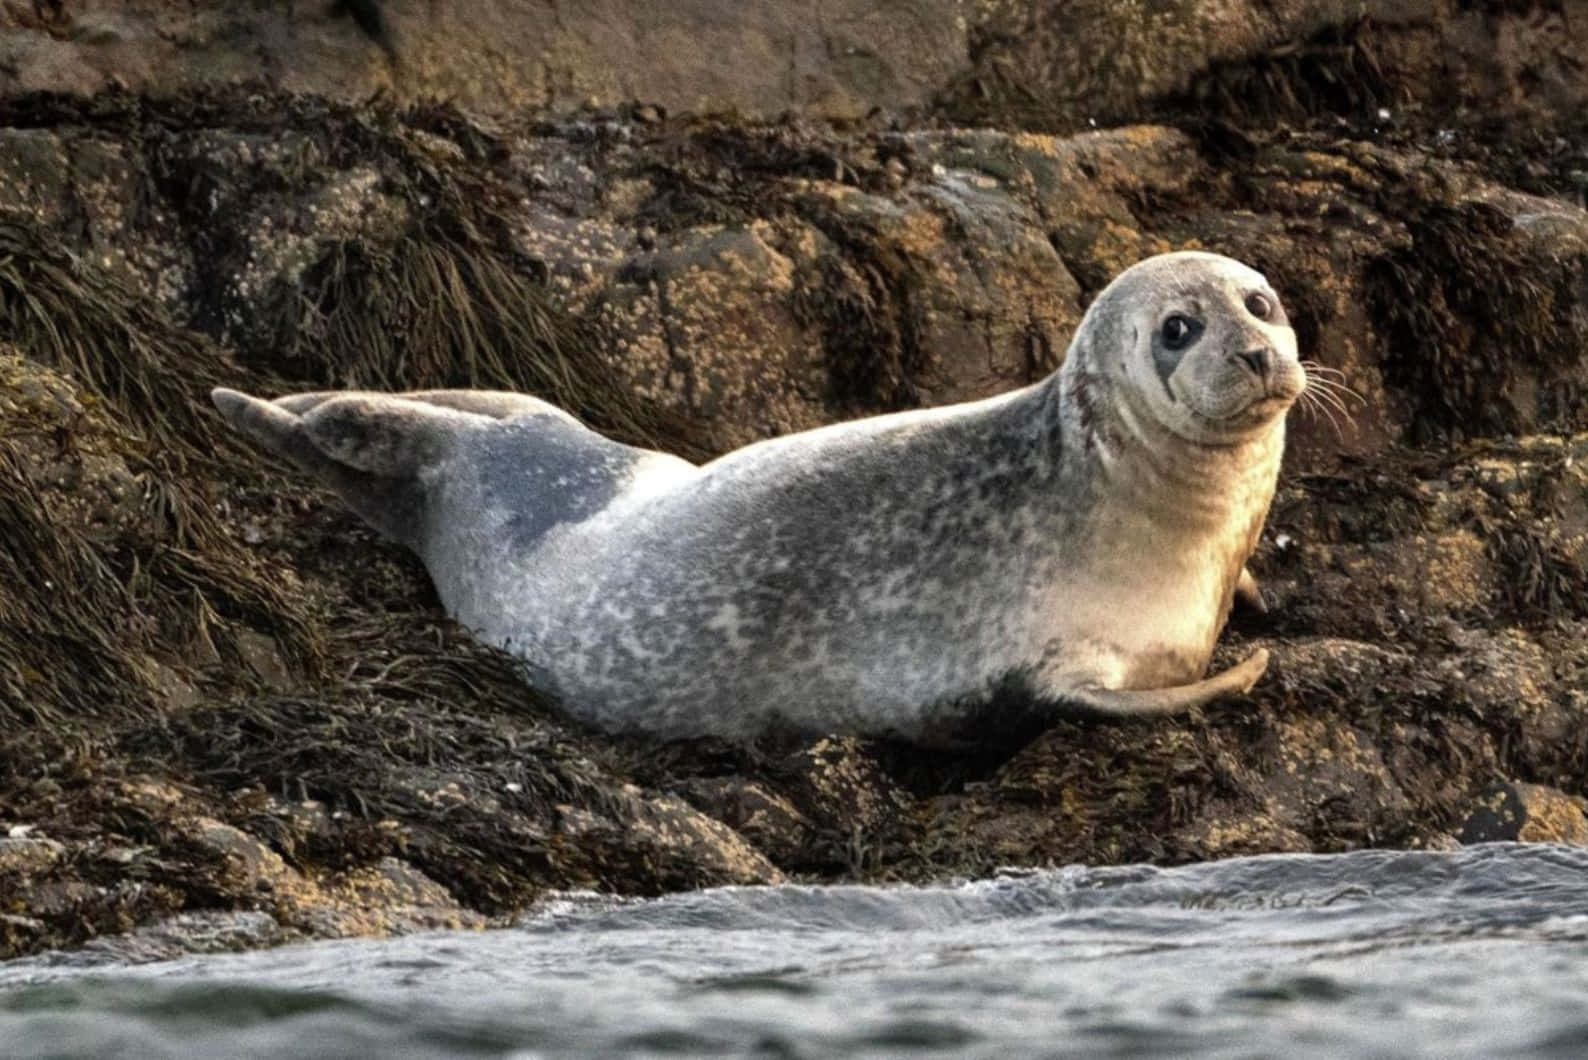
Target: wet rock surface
[231,716]
[1528,813]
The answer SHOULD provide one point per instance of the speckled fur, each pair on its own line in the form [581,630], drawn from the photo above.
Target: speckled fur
[882,576]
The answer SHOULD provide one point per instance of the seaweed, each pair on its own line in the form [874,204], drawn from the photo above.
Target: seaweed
[1336,71]
[117,559]
[726,175]
[430,312]
[1461,306]
[438,736]
[54,660]
[1540,581]
[88,322]
[443,299]
[863,308]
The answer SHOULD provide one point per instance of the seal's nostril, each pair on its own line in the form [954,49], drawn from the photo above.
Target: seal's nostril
[1259,361]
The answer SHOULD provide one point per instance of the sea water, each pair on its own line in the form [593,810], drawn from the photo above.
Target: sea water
[1476,952]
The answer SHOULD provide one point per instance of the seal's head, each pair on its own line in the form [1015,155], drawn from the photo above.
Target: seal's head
[1197,342]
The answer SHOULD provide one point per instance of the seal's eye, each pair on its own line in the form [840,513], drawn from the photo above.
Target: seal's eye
[1179,332]
[1259,305]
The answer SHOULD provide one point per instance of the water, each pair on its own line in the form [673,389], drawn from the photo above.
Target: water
[1481,952]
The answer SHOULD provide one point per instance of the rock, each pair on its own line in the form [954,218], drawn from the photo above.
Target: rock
[682,316]
[1016,61]
[1232,831]
[209,931]
[241,863]
[1527,813]
[858,290]
[1099,62]
[28,855]
[21,933]
[386,898]
[681,843]
[856,807]
[765,818]
[763,58]
[389,897]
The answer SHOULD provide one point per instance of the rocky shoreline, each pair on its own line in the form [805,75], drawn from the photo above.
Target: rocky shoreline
[230,716]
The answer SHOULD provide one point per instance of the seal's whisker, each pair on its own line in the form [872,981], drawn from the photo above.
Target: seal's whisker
[1334,387]
[1333,404]
[1318,372]
[1334,424]
[1335,410]
[1331,397]
[1325,369]
[1311,404]
[1338,400]
[1309,407]
[1330,381]
[1325,379]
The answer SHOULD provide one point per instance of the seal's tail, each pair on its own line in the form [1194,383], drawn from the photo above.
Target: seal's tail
[370,447]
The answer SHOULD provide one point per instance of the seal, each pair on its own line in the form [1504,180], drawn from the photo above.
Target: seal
[1080,539]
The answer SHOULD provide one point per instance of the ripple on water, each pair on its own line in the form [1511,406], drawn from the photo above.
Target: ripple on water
[1482,951]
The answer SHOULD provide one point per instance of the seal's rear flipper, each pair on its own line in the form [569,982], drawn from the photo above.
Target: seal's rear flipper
[370,448]
[497,404]
[271,427]
[391,437]
[1238,678]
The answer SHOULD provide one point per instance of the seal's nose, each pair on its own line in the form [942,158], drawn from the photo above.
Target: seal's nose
[1260,361]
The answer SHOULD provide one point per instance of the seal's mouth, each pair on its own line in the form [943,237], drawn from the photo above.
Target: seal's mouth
[1260,391]
[1280,391]
[1275,400]
[1261,408]
[1272,404]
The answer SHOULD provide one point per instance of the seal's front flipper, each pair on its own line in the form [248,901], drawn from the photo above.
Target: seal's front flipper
[1249,594]
[1238,678]
[369,448]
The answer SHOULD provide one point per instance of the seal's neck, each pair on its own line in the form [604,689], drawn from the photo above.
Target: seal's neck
[1151,472]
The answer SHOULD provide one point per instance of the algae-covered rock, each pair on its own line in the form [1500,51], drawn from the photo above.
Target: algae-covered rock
[1530,813]
[1020,62]
[231,716]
